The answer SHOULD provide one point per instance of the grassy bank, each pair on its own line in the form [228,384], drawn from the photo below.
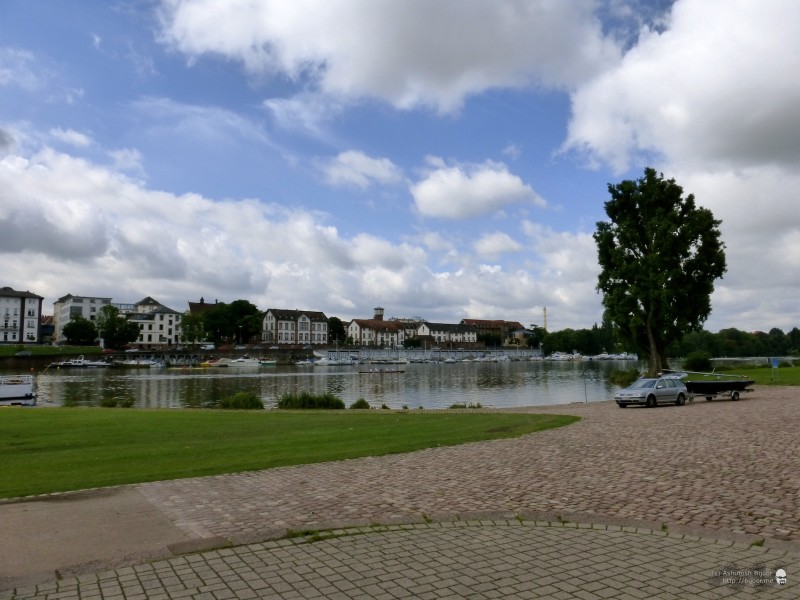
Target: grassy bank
[51,450]
[47,350]
[784,375]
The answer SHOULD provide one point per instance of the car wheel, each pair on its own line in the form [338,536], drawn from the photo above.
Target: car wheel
[651,402]
[681,400]
[622,405]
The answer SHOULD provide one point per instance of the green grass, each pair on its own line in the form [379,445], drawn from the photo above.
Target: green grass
[60,449]
[47,350]
[761,375]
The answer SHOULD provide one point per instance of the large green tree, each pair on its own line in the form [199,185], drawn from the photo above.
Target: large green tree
[80,332]
[192,329]
[114,328]
[659,257]
[237,322]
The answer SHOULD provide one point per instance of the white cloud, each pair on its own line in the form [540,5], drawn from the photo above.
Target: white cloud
[71,137]
[205,124]
[306,112]
[495,244]
[409,53]
[717,87]
[357,169]
[462,192]
[18,68]
[128,160]
[101,233]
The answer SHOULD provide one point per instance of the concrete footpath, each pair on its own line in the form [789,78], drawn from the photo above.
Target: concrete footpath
[674,502]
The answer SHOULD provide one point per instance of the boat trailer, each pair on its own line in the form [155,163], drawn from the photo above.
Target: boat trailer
[713,388]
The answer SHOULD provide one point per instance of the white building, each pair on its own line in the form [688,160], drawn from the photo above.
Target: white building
[449,334]
[376,332]
[282,326]
[68,307]
[19,316]
[159,326]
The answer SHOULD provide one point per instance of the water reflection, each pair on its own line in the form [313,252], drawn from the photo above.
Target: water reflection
[430,385]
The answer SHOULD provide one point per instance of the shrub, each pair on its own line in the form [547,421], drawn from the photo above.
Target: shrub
[360,404]
[699,360]
[623,378]
[308,400]
[242,401]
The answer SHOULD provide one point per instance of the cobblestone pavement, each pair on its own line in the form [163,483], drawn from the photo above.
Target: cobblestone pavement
[708,474]
[721,465]
[464,559]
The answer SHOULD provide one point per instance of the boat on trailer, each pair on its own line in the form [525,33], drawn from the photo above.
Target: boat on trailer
[17,389]
[733,386]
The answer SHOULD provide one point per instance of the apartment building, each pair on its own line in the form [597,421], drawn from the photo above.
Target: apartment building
[68,307]
[19,316]
[283,326]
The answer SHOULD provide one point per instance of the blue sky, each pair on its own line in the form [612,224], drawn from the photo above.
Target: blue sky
[443,159]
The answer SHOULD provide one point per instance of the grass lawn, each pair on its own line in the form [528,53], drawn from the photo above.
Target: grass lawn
[47,350]
[761,375]
[60,449]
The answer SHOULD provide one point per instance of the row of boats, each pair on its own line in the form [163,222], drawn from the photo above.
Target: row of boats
[82,362]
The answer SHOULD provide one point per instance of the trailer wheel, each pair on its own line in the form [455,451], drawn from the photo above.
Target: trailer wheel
[734,395]
[708,398]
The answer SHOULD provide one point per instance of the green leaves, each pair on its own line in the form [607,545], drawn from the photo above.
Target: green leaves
[659,256]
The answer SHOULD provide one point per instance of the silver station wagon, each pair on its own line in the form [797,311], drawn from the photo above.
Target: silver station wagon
[653,391]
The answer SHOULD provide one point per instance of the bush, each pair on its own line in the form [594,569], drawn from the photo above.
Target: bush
[360,404]
[307,400]
[699,360]
[242,401]
[623,378]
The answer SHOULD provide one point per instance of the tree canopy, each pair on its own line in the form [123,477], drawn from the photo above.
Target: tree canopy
[80,331]
[659,257]
[236,322]
[114,328]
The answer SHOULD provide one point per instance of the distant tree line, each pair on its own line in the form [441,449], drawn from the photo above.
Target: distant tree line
[731,343]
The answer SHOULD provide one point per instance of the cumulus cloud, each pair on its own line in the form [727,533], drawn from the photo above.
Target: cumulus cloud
[715,86]
[409,54]
[495,244]
[99,232]
[354,168]
[466,191]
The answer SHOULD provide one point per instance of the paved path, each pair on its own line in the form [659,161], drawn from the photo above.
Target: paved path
[673,495]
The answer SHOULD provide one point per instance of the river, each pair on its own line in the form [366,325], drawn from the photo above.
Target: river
[426,385]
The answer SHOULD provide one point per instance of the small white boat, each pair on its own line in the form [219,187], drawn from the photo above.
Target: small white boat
[80,362]
[242,361]
[17,389]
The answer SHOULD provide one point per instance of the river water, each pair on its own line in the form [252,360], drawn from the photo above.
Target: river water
[427,385]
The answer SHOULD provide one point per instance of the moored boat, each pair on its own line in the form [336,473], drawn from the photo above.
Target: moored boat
[81,361]
[17,389]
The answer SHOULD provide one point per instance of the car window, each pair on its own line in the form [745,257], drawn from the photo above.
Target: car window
[644,383]
[662,383]
[670,382]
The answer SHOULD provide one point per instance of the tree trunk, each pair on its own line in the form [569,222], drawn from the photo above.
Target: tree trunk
[654,353]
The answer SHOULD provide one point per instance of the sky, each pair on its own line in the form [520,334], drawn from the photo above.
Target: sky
[442,159]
